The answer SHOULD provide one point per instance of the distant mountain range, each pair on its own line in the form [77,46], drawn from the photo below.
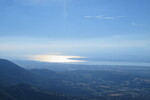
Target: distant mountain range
[76,82]
[14,84]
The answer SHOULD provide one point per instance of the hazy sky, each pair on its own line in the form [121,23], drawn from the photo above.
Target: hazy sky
[116,30]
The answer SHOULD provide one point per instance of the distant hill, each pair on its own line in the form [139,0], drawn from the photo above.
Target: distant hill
[15,80]
[11,74]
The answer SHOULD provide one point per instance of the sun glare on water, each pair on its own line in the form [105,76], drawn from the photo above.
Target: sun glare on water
[55,58]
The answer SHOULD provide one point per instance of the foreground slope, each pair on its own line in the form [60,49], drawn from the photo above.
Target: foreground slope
[11,74]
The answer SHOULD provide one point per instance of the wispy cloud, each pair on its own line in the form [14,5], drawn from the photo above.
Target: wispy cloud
[102,17]
[88,16]
[109,17]
[137,24]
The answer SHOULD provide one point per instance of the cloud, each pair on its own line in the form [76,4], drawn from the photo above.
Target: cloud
[88,16]
[102,17]
[136,24]
[109,17]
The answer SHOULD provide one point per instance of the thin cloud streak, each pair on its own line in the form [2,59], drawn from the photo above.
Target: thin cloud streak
[136,24]
[88,16]
[102,17]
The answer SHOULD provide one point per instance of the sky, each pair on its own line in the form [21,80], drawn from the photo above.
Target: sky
[96,30]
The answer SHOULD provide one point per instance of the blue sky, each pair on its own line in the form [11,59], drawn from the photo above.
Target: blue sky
[97,29]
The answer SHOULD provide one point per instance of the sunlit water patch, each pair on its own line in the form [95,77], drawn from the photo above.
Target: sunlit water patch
[56,58]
